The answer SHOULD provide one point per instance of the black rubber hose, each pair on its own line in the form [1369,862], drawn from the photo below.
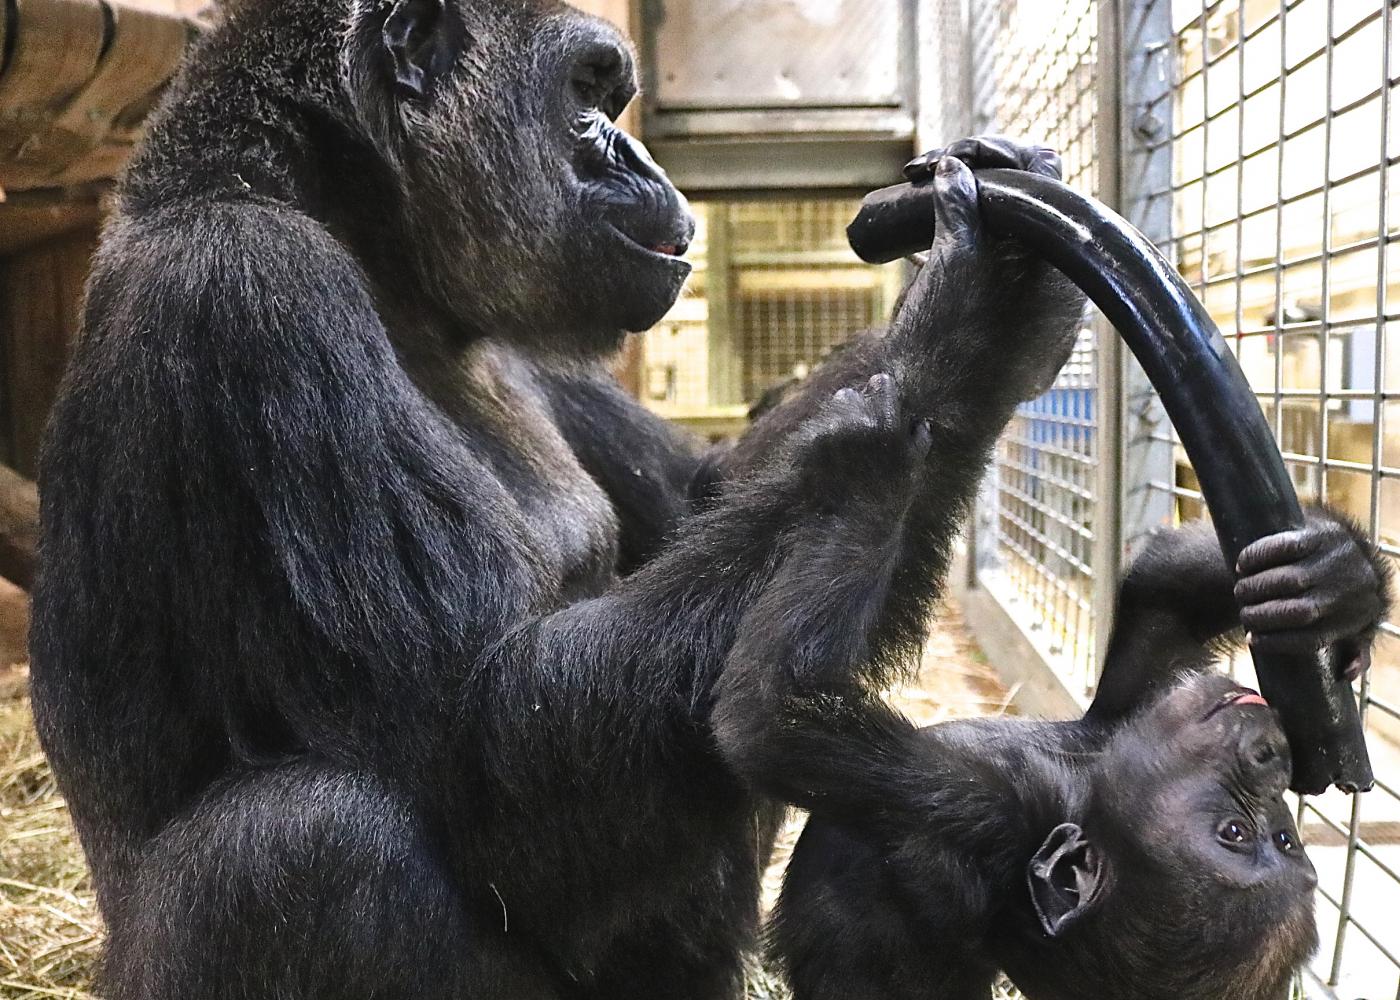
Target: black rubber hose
[1242,475]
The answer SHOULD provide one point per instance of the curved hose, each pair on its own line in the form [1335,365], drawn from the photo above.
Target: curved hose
[1215,412]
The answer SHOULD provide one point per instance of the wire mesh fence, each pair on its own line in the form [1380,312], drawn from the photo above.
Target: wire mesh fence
[1259,144]
[1033,74]
[776,288]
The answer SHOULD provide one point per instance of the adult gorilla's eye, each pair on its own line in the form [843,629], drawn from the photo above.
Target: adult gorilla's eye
[1286,842]
[601,79]
[1233,833]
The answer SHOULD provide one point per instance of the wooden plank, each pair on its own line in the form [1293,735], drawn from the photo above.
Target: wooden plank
[83,127]
[25,224]
[184,8]
[56,47]
[145,52]
[40,295]
[19,528]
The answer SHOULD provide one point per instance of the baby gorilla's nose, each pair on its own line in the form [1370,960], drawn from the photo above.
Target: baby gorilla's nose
[1264,751]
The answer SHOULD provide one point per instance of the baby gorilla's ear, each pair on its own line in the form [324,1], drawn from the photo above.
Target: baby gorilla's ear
[1064,877]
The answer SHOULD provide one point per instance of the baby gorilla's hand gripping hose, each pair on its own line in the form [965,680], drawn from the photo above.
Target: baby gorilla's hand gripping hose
[1216,414]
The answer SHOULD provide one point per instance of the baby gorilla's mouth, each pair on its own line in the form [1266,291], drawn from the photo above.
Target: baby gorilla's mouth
[670,249]
[1238,697]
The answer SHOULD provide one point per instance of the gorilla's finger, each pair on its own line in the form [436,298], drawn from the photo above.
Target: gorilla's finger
[1291,580]
[959,219]
[1277,550]
[1046,162]
[922,166]
[848,402]
[982,151]
[884,398]
[1281,616]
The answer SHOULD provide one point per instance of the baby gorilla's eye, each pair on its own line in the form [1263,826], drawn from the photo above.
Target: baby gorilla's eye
[1287,843]
[1233,833]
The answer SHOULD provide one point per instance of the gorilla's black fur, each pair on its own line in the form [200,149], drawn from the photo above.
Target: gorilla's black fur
[1144,852]
[337,653]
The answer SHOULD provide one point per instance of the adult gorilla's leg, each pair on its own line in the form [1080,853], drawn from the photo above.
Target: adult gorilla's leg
[304,882]
[695,950]
[688,955]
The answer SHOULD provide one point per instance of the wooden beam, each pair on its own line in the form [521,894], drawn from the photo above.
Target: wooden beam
[19,528]
[14,633]
[41,293]
[30,222]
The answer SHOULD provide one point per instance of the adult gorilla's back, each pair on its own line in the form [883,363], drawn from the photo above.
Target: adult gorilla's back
[305,473]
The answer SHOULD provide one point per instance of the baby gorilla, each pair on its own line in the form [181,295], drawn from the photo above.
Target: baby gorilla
[1144,851]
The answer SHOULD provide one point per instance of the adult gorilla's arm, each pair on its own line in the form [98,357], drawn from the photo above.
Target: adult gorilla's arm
[1179,603]
[859,511]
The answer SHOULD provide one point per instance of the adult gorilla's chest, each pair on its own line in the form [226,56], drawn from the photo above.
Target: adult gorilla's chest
[571,523]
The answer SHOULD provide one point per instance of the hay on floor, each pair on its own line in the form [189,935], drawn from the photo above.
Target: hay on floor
[49,929]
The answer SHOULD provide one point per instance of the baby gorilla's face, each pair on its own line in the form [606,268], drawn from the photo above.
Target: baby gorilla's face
[1199,776]
[1200,839]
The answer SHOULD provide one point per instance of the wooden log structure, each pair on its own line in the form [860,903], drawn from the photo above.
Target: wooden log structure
[77,80]
[19,528]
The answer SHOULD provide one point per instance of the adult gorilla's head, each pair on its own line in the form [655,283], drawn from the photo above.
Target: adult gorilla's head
[526,211]
[1184,876]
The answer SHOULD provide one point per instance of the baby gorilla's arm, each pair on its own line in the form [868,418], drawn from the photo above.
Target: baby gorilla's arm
[1180,603]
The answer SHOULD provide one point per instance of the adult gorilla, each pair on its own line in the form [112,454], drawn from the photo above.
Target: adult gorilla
[339,654]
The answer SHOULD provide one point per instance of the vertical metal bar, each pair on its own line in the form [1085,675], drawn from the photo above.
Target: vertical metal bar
[1378,414]
[1146,45]
[1107,553]
[1278,218]
[1325,336]
[1204,290]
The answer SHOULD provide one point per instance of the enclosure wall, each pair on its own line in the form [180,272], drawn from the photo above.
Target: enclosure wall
[1257,142]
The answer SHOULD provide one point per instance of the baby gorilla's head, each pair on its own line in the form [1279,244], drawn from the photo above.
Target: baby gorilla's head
[1185,877]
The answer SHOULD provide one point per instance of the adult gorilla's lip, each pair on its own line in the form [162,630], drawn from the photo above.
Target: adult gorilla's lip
[671,249]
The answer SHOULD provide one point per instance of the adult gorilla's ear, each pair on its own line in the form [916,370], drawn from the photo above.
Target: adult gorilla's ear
[1065,878]
[424,39]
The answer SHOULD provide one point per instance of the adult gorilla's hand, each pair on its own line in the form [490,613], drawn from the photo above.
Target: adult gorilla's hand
[1018,295]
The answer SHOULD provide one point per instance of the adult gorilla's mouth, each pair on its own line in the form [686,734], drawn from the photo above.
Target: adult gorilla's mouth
[672,247]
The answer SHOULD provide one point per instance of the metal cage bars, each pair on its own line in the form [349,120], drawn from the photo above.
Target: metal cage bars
[1257,141]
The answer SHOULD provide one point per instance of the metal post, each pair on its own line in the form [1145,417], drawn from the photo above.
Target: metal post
[1146,47]
[1107,553]
[726,360]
